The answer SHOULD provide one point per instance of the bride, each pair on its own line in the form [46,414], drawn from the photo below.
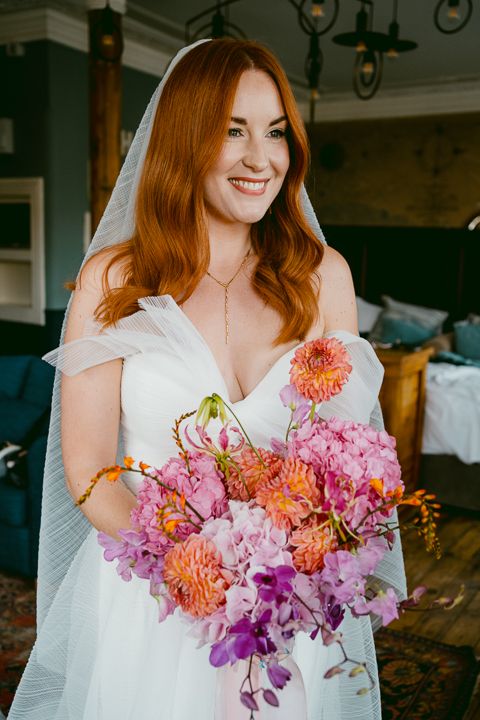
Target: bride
[207,271]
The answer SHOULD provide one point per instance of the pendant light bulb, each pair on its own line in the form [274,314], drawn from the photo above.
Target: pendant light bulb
[317,10]
[392,53]
[361,47]
[453,15]
[367,69]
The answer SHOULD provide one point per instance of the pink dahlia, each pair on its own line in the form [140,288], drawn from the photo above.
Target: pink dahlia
[320,368]
[195,577]
[252,470]
[311,542]
[287,491]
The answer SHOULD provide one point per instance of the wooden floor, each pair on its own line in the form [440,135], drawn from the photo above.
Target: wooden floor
[460,564]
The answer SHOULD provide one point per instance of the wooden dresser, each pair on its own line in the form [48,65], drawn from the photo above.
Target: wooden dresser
[402,398]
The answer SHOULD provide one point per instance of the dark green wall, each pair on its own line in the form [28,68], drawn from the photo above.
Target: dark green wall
[46,93]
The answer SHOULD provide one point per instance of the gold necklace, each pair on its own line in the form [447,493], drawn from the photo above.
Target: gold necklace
[226,286]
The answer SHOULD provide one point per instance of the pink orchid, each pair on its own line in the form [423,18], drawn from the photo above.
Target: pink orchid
[384,604]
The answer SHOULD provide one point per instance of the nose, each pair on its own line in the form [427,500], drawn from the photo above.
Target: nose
[256,157]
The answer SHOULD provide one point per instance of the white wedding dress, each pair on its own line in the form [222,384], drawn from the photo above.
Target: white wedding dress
[101,653]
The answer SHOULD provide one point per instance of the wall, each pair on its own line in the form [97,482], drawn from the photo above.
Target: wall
[408,172]
[46,93]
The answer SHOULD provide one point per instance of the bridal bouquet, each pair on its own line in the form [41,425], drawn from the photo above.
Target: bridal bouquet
[252,546]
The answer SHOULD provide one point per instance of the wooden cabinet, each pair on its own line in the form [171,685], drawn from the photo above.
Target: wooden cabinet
[402,398]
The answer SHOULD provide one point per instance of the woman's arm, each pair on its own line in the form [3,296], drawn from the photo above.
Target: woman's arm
[90,404]
[338,306]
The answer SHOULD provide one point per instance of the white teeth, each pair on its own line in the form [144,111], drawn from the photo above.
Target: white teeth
[248,185]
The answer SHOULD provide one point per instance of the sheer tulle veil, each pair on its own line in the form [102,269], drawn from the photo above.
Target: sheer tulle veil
[64,528]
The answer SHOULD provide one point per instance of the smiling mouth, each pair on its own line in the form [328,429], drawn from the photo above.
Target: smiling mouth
[249,187]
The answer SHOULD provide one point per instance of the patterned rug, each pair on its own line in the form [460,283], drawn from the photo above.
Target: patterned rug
[422,679]
[17,633]
[419,679]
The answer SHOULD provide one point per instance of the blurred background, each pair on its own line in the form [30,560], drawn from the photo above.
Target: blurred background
[407,157]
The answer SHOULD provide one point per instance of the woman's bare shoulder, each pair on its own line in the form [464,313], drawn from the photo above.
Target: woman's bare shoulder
[90,289]
[337,301]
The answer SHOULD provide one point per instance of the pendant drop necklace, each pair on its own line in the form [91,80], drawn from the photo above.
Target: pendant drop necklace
[226,286]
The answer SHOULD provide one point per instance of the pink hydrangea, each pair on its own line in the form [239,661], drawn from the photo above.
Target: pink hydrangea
[204,490]
[345,456]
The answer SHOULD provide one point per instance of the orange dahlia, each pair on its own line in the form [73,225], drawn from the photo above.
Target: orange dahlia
[195,577]
[252,471]
[311,542]
[287,491]
[320,368]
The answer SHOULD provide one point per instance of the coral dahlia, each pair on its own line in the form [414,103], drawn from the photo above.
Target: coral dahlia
[195,577]
[252,471]
[311,543]
[287,491]
[320,368]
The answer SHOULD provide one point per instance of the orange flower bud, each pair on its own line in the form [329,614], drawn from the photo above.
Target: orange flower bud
[128,462]
[114,473]
[143,466]
[377,485]
[171,525]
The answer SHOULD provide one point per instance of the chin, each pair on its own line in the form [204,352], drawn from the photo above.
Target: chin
[251,216]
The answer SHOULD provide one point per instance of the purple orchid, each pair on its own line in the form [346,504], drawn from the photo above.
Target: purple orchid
[244,639]
[274,581]
[334,613]
[128,551]
[277,674]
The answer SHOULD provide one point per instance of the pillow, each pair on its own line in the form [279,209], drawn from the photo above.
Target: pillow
[424,317]
[367,315]
[467,339]
[454,359]
[17,418]
[407,333]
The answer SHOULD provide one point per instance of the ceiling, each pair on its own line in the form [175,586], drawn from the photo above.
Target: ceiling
[439,58]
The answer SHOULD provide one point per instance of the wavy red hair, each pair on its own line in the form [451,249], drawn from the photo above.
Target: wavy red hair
[169,251]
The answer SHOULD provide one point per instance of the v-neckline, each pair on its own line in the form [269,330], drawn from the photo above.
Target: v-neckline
[198,334]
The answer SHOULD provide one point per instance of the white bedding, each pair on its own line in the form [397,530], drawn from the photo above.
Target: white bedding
[452,412]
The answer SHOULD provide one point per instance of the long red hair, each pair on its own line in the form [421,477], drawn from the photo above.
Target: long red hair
[169,251]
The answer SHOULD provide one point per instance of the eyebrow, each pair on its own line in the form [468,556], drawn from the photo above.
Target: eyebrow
[242,121]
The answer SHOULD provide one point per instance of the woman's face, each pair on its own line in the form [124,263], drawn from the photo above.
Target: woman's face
[254,160]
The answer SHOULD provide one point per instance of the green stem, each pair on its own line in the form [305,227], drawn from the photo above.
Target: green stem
[241,428]
[241,475]
[167,487]
[289,428]
[312,412]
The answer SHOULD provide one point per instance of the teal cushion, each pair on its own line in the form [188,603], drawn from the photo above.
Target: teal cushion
[407,333]
[17,418]
[427,318]
[454,359]
[13,372]
[467,340]
[13,506]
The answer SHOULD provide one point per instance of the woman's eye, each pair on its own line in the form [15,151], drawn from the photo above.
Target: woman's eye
[277,133]
[234,132]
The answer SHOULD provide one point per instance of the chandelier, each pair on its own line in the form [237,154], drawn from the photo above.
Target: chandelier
[317,17]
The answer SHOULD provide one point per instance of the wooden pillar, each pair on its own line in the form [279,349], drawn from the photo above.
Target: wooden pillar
[105,90]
